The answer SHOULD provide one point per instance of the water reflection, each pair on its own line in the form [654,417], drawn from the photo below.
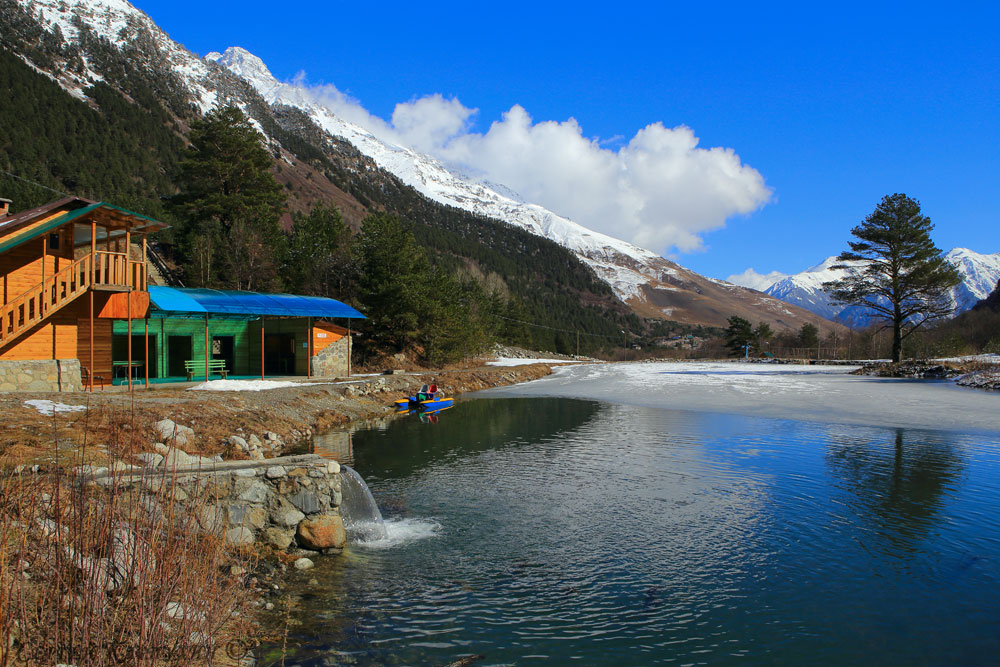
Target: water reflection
[898,485]
[553,531]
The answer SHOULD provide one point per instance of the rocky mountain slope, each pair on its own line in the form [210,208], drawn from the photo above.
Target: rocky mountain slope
[320,155]
[979,272]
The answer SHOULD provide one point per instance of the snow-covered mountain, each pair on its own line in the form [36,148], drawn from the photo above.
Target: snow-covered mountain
[979,274]
[652,285]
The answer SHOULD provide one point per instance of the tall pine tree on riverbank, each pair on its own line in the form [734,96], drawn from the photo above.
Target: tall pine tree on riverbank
[896,270]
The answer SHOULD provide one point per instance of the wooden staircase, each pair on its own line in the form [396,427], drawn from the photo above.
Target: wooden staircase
[106,271]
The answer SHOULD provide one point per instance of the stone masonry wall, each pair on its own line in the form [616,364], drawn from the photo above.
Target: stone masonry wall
[282,502]
[41,375]
[331,361]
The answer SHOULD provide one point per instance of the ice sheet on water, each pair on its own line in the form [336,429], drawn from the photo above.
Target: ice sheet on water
[810,393]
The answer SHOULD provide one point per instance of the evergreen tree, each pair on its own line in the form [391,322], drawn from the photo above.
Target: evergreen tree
[762,333]
[739,334]
[319,260]
[903,276]
[229,205]
[809,335]
[393,283]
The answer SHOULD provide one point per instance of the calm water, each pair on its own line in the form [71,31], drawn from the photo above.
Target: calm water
[556,531]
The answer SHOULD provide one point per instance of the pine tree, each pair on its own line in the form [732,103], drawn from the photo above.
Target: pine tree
[739,334]
[319,260]
[230,205]
[896,269]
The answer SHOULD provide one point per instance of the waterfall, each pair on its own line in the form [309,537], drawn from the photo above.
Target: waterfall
[362,520]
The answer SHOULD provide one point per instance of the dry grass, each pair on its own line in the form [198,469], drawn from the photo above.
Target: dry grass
[112,573]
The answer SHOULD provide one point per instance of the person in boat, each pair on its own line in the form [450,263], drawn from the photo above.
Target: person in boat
[427,393]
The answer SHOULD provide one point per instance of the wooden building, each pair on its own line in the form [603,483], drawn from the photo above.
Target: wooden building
[77,305]
[65,273]
[246,334]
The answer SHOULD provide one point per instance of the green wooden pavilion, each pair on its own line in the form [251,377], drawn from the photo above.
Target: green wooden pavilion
[194,334]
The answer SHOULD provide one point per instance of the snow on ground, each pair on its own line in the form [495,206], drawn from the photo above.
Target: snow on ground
[808,393]
[991,358]
[249,385]
[525,362]
[49,408]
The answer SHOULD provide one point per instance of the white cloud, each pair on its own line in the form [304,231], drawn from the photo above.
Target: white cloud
[659,190]
[757,281]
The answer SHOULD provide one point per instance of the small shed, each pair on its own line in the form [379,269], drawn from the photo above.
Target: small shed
[205,333]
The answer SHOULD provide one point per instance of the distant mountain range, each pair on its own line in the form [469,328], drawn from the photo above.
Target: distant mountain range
[979,273]
[320,155]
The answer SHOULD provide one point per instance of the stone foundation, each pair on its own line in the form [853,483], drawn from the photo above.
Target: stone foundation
[331,361]
[40,375]
[286,502]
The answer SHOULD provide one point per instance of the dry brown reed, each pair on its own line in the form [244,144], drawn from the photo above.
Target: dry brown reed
[114,570]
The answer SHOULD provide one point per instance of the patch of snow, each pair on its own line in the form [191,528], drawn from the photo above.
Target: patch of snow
[249,385]
[525,362]
[49,408]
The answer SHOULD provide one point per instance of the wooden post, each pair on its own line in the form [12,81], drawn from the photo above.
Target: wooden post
[93,257]
[261,347]
[348,347]
[144,270]
[45,297]
[126,277]
[206,347]
[129,369]
[91,373]
[145,341]
[309,349]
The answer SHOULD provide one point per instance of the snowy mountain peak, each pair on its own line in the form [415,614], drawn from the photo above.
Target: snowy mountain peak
[979,274]
[245,64]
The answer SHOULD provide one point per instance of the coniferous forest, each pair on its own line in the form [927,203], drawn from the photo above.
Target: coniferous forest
[130,143]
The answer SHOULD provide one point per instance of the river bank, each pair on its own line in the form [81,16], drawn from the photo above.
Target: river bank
[42,429]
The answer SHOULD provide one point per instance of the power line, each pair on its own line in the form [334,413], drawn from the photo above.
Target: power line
[28,180]
[572,331]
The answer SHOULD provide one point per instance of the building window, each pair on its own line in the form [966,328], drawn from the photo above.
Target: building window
[54,241]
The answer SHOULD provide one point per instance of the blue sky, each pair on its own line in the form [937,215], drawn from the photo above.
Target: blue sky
[834,105]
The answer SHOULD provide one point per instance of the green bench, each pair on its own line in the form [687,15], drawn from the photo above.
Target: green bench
[193,366]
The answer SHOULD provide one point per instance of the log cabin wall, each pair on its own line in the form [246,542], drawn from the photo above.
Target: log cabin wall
[21,267]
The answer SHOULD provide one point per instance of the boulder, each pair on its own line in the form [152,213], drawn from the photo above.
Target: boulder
[149,459]
[306,501]
[240,536]
[279,538]
[173,433]
[304,564]
[239,442]
[286,515]
[175,458]
[211,519]
[322,532]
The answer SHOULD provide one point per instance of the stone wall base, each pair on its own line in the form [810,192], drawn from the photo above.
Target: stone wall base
[331,362]
[41,375]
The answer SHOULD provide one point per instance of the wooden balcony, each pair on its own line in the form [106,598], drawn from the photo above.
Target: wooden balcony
[104,271]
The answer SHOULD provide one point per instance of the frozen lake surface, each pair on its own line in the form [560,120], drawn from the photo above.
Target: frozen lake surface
[810,393]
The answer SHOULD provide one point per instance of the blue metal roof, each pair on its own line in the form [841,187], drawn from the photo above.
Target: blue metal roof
[189,301]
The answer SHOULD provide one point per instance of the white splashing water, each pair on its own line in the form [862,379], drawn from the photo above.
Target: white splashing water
[362,518]
[400,531]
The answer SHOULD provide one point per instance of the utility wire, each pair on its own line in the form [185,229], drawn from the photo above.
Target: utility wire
[572,331]
[28,180]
